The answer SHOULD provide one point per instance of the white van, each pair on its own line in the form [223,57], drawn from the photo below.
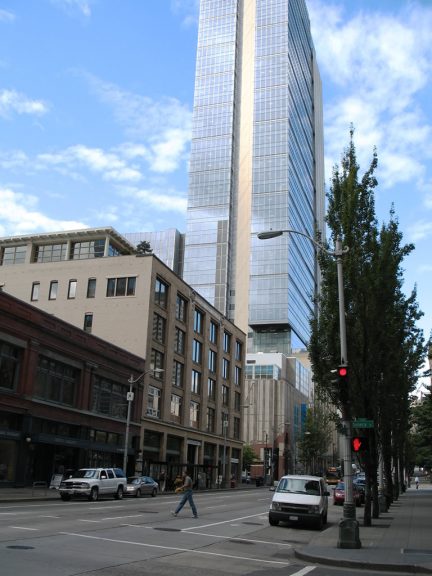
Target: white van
[300,498]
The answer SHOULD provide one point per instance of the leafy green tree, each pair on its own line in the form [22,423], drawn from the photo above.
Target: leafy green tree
[385,348]
[144,247]
[316,438]
[422,433]
[249,456]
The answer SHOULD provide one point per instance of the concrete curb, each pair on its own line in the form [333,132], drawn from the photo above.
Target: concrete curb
[322,556]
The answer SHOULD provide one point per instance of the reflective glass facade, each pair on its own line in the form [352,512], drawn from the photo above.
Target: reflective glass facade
[256,164]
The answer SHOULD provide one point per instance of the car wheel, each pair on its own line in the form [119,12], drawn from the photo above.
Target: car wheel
[138,493]
[154,492]
[325,518]
[94,494]
[358,503]
[119,494]
[65,497]
[273,522]
[319,523]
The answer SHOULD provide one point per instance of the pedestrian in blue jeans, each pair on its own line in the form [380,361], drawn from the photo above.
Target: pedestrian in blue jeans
[187,496]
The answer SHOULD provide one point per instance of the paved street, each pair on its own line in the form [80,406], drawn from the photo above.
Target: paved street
[231,536]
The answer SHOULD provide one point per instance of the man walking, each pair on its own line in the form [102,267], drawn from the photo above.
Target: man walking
[187,496]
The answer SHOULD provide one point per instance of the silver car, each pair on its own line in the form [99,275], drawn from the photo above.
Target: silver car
[139,485]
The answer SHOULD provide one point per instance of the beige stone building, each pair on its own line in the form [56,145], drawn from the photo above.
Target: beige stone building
[94,279]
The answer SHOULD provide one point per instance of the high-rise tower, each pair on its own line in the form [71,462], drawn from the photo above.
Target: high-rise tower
[256,163]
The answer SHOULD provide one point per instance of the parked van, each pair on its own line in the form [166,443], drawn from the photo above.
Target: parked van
[300,498]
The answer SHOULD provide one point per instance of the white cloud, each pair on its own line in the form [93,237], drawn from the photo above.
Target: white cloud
[378,64]
[71,6]
[420,230]
[108,164]
[156,199]
[6,16]
[12,101]
[18,215]
[188,10]
[161,130]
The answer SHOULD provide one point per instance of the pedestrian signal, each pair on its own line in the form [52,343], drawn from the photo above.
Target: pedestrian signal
[360,444]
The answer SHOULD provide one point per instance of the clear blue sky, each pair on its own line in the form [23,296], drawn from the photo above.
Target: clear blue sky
[96,100]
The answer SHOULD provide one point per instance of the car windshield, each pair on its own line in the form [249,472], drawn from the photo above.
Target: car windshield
[133,480]
[340,486]
[299,486]
[87,473]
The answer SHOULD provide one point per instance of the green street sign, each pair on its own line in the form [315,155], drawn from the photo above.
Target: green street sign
[363,423]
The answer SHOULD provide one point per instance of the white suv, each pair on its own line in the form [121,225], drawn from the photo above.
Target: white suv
[298,498]
[92,482]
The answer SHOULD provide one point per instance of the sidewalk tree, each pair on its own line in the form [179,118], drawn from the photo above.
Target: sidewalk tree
[249,456]
[314,444]
[385,348]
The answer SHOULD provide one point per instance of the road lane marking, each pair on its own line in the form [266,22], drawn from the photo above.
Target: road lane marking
[22,528]
[304,571]
[176,549]
[225,521]
[236,538]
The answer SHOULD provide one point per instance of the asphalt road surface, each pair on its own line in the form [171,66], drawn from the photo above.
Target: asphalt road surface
[139,536]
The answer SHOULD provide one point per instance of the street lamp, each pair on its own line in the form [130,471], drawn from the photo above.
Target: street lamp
[225,426]
[129,398]
[348,526]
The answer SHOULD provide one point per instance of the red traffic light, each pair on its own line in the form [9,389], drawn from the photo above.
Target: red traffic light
[342,371]
[359,444]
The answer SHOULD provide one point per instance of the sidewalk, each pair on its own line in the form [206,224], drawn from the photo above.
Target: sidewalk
[400,540]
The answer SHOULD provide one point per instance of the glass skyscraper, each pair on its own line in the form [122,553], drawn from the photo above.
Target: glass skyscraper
[256,164]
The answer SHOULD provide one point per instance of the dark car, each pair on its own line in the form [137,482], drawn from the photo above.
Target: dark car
[360,484]
[139,485]
[339,494]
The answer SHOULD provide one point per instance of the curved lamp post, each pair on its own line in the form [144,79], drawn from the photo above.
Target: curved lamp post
[348,526]
[129,397]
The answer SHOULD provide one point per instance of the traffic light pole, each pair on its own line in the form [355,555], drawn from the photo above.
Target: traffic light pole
[348,525]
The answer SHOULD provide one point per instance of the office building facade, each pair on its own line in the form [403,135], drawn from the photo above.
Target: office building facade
[256,164]
[93,279]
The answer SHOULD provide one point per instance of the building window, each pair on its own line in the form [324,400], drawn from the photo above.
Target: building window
[225,369]
[157,361]
[237,375]
[50,253]
[159,328]
[56,381]
[86,250]
[196,352]
[194,414]
[176,404]
[198,321]
[212,361]
[177,375]
[211,418]
[213,332]
[196,382]
[13,255]
[153,402]
[88,321]
[237,401]
[236,428]
[238,351]
[227,341]
[108,397]
[225,395]
[91,288]
[180,339]
[121,286]
[53,290]
[35,291]
[9,363]
[72,289]
[161,293]
[211,388]
[181,308]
